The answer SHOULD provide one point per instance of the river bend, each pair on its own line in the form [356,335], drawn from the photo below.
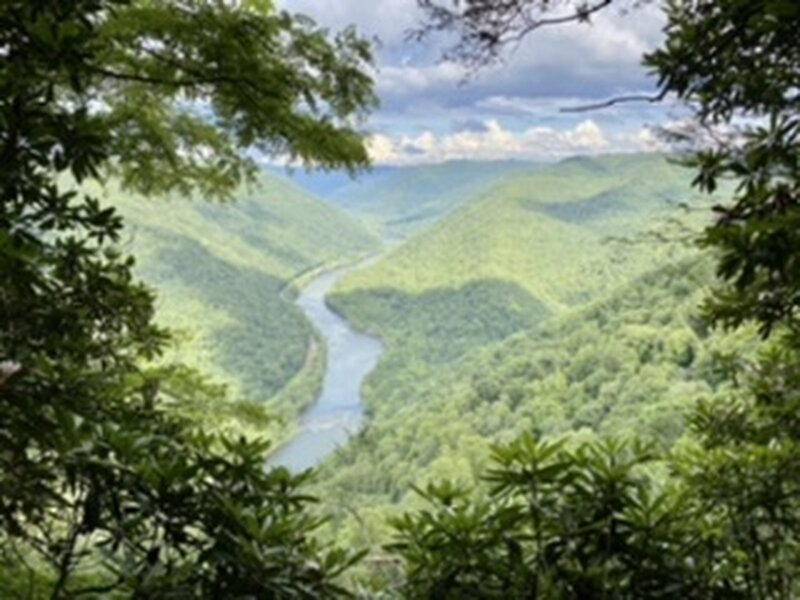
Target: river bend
[338,412]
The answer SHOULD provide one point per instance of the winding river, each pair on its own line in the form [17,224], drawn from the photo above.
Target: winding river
[338,412]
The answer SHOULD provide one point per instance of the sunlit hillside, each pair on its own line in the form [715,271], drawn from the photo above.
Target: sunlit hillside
[547,229]
[545,241]
[631,363]
[223,273]
[398,202]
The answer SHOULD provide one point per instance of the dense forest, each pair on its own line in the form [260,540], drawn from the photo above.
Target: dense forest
[629,364]
[261,243]
[544,241]
[589,385]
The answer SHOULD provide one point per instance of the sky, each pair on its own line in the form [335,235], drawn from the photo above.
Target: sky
[429,114]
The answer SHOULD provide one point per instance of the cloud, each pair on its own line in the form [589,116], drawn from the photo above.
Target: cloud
[650,141]
[409,81]
[494,142]
[587,60]
[385,19]
[429,113]
[474,125]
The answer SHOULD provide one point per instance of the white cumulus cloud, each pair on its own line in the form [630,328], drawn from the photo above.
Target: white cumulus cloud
[431,112]
[493,142]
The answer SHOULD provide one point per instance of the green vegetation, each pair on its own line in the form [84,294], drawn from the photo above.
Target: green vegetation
[533,247]
[632,363]
[403,201]
[225,274]
[108,486]
[718,516]
[518,231]
[574,427]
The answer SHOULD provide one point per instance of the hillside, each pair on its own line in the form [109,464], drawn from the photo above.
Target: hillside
[399,202]
[630,363]
[326,184]
[533,247]
[222,272]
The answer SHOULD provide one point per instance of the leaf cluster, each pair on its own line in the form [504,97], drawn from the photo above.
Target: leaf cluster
[106,488]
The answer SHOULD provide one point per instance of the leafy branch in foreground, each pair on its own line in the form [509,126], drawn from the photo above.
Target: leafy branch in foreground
[725,519]
[104,489]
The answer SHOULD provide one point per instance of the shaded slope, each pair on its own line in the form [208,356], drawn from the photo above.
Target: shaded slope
[629,363]
[222,272]
[545,233]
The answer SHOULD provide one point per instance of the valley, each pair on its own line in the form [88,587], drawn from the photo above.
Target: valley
[226,275]
[337,413]
[541,243]
[433,300]
[495,309]
[556,299]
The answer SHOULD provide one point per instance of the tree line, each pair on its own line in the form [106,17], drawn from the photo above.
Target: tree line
[106,491]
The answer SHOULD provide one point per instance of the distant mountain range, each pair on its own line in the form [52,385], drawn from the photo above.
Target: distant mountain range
[399,201]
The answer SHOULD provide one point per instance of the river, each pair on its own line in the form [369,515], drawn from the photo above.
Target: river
[338,412]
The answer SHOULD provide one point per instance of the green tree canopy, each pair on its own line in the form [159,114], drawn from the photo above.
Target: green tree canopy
[104,487]
[725,522]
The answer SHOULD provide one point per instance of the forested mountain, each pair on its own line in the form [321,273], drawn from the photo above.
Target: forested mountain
[631,363]
[563,300]
[550,239]
[223,272]
[587,391]
[400,201]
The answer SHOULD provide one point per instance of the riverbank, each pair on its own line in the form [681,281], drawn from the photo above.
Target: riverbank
[338,412]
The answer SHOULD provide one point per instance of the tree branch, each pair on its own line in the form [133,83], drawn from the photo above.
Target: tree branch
[97,589]
[65,565]
[617,100]
[580,14]
[486,28]
[147,79]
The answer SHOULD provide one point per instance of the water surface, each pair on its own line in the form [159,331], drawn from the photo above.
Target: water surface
[338,413]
